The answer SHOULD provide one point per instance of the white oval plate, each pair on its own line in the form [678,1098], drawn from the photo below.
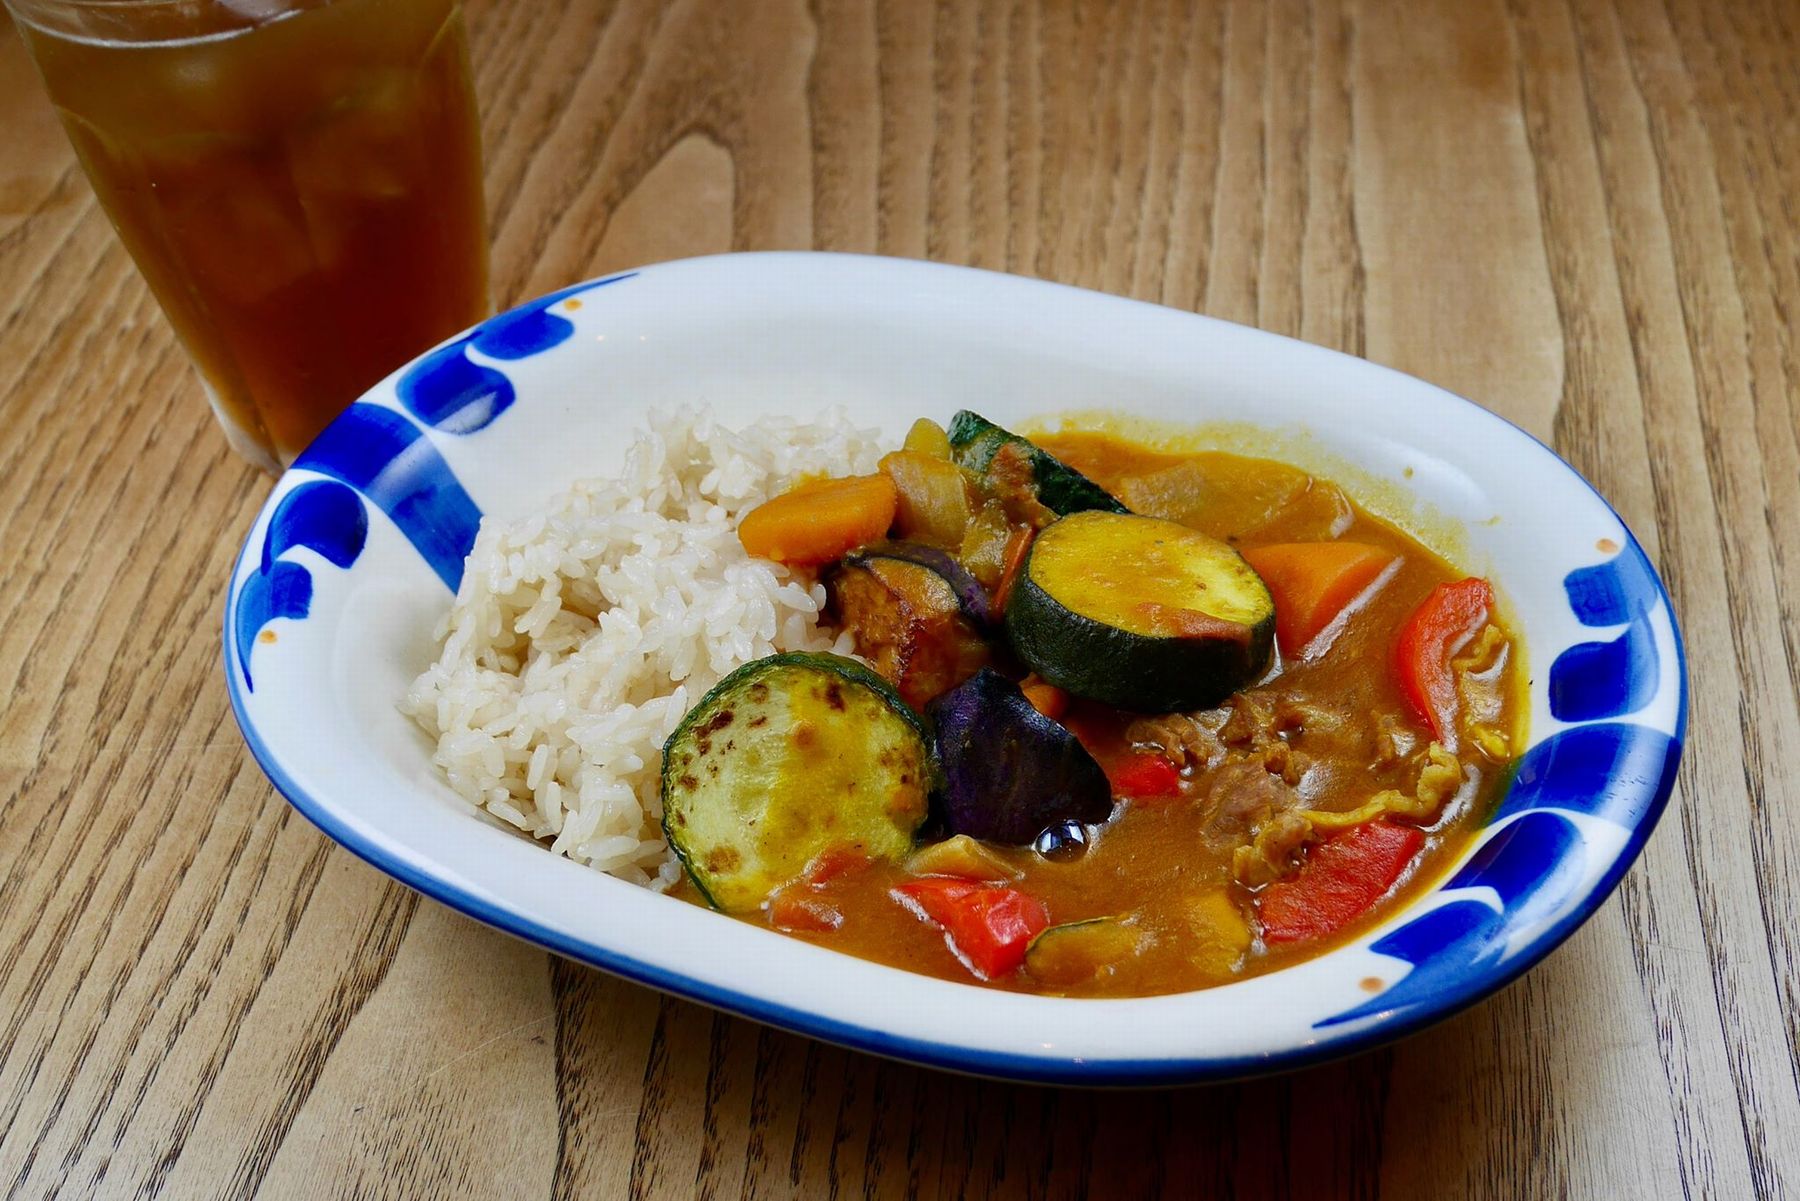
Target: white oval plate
[348,567]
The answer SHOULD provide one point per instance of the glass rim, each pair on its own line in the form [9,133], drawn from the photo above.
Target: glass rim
[19,8]
[120,19]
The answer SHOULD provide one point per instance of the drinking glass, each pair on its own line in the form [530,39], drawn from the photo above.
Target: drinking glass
[298,180]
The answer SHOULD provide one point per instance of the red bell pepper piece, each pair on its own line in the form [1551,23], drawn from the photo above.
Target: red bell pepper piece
[1144,774]
[1341,878]
[1437,629]
[793,908]
[796,905]
[988,926]
[838,861]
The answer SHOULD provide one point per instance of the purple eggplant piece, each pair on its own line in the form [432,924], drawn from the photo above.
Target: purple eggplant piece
[1010,773]
[908,623]
[969,593]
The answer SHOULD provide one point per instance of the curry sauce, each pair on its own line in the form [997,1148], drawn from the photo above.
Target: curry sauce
[1218,810]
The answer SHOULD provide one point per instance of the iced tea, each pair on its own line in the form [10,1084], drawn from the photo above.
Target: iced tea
[300,183]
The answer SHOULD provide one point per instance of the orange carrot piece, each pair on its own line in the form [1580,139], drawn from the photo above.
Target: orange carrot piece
[1045,697]
[820,521]
[1312,582]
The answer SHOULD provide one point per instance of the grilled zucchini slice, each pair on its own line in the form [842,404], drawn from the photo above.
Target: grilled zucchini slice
[1018,472]
[1140,613]
[789,757]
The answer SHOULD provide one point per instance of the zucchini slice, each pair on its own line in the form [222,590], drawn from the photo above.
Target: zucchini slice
[1140,613]
[1008,465]
[789,757]
[1076,953]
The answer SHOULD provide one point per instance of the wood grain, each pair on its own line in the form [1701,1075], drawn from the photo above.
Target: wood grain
[1584,214]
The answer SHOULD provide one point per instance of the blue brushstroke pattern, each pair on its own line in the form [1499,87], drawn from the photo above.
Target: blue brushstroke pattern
[1613,592]
[1595,680]
[1532,865]
[324,517]
[450,392]
[1457,939]
[531,329]
[389,460]
[1610,770]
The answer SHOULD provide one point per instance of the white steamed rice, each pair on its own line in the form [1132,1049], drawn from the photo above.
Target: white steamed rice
[582,634]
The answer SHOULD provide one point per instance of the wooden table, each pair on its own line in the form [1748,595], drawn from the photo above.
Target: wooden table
[1582,215]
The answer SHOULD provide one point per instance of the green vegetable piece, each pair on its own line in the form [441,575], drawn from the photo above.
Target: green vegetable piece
[1075,953]
[974,441]
[1140,613]
[789,757]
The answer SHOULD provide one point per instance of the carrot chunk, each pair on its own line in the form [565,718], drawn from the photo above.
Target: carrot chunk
[820,521]
[1312,582]
[1045,697]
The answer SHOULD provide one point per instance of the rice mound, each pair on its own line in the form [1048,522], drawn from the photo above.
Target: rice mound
[583,633]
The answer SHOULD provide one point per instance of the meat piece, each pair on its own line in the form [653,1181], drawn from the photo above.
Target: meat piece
[1280,759]
[1256,728]
[1338,731]
[1195,740]
[1238,798]
[1252,721]
[1307,718]
[1273,852]
[1178,737]
[1255,719]
[1394,741]
[1254,754]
